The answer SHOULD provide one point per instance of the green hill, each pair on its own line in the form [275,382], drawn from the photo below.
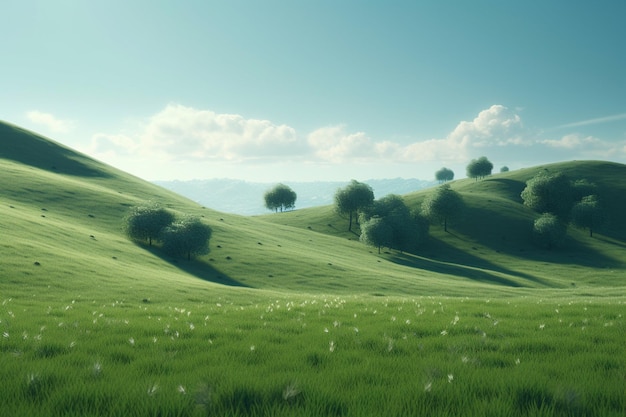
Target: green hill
[289,314]
[65,210]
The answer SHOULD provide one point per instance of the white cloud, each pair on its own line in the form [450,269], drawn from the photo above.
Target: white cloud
[572,141]
[182,141]
[50,122]
[184,133]
[597,120]
[496,125]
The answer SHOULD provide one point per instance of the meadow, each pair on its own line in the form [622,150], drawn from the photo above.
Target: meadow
[311,355]
[289,315]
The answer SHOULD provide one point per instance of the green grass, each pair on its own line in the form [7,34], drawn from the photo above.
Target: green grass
[290,315]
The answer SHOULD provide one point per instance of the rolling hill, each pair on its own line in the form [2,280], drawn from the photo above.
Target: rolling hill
[65,211]
[289,314]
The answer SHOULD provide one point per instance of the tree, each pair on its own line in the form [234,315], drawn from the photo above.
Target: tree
[280,197]
[588,213]
[403,227]
[549,193]
[582,188]
[444,174]
[146,222]
[187,237]
[376,232]
[442,205]
[504,169]
[479,168]
[549,230]
[355,197]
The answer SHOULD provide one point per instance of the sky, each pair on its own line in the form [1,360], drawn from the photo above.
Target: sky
[274,91]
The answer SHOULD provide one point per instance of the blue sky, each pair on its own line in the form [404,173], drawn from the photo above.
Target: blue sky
[307,90]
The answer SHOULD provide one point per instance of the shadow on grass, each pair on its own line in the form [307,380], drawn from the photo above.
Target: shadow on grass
[447,259]
[505,230]
[195,267]
[22,146]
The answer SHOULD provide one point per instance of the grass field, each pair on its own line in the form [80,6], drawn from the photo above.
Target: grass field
[290,315]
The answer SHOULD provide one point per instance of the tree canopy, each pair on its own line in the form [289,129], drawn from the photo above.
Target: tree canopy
[280,197]
[479,168]
[376,232]
[146,222]
[443,204]
[187,237]
[549,231]
[549,193]
[389,222]
[588,214]
[353,198]
[444,174]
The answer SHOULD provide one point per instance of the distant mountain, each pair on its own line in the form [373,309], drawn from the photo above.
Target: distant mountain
[246,198]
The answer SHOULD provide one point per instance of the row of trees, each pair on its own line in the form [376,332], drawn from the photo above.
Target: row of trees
[186,237]
[389,222]
[562,201]
[477,168]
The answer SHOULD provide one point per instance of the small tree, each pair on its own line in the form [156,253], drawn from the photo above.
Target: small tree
[479,168]
[504,169]
[442,205]
[146,222]
[444,174]
[549,231]
[549,193]
[588,214]
[187,237]
[352,199]
[280,197]
[376,232]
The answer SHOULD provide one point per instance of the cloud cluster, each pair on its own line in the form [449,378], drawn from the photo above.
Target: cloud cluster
[184,133]
[49,122]
[181,133]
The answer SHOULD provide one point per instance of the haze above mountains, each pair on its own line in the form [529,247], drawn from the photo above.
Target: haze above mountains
[246,198]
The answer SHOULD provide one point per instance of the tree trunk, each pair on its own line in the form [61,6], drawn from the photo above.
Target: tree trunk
[445,224]
[590,232]
[350,224]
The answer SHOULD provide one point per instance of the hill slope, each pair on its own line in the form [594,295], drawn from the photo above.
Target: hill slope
[62,226]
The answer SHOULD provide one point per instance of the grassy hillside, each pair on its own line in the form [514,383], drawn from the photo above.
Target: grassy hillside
[491,240]
[289,315]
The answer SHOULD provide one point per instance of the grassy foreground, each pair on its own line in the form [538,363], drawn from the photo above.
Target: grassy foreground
[240,353]
[289,314]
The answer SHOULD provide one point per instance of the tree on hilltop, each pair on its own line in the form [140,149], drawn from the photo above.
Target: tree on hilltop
[479,168]
[280,197]
[146,222]
[444,174]
[352,199]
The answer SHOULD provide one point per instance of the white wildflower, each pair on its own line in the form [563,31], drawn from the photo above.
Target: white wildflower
[428,387]
[450,378]
[153,389]
[444,332]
